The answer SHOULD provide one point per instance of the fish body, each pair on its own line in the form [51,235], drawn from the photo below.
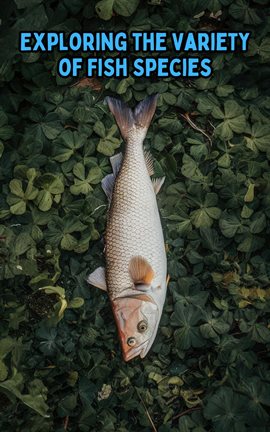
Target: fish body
[136,267]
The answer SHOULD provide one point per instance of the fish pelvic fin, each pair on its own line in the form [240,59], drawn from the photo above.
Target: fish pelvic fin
[127,119]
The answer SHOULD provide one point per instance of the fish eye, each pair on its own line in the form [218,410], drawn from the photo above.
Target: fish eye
[142,326]
[131,341]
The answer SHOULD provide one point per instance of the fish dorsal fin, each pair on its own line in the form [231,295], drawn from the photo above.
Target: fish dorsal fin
[116,162]
[98,278]
[127,119]
[157,183]
[149,162]
[141,271]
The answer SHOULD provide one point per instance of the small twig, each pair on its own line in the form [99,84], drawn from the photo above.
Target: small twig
[197,128]
[186,412]
[147,413]
[97,208]
[66,420]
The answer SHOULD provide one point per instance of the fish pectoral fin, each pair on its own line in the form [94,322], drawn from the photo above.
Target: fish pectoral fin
[98,279]
[157,183]
[144,297]
[141,271]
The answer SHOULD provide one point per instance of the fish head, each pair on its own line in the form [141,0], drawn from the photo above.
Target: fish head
[137,318]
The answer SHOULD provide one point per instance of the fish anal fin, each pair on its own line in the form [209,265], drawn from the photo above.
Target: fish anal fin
[149,162]
[157,183]
[98,279]
[140,271]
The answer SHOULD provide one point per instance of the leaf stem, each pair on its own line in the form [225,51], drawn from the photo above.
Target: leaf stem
[181,414]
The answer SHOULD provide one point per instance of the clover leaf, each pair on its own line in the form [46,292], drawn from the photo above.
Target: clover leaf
[233,120]
[82,182]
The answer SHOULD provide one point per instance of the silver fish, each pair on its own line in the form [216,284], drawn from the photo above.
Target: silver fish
[136,266]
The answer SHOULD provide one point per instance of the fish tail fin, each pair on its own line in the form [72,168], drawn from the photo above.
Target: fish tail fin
[122,114]
[126,119]
[145,111]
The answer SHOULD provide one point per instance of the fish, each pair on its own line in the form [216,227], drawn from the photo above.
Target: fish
[135,274]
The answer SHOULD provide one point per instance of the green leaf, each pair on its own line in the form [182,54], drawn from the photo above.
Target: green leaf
[54,290]
[258,223]
[26,3]
[18,208]
[67,145]
[6,132]
[186,318]
[242,12]
[249,197]
[227,410]
[51,129]
[15,187]
[124,85]
[3,371]
[44,200]
[233,120]
[23,242]
[108,145]
[99,128]
[76,302]
[190,169]
[259,138]
[35,399]
[6,345]
[82,183]
[104,9]
[68,242]
[126,8]
[214,327]
[229,225]
[200,218]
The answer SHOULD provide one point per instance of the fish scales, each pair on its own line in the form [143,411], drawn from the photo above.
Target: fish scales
[134,226]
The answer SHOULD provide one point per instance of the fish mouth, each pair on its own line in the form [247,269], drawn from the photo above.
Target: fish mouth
[140,350]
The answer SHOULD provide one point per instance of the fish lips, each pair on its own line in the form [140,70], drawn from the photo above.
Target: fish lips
[142,349]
